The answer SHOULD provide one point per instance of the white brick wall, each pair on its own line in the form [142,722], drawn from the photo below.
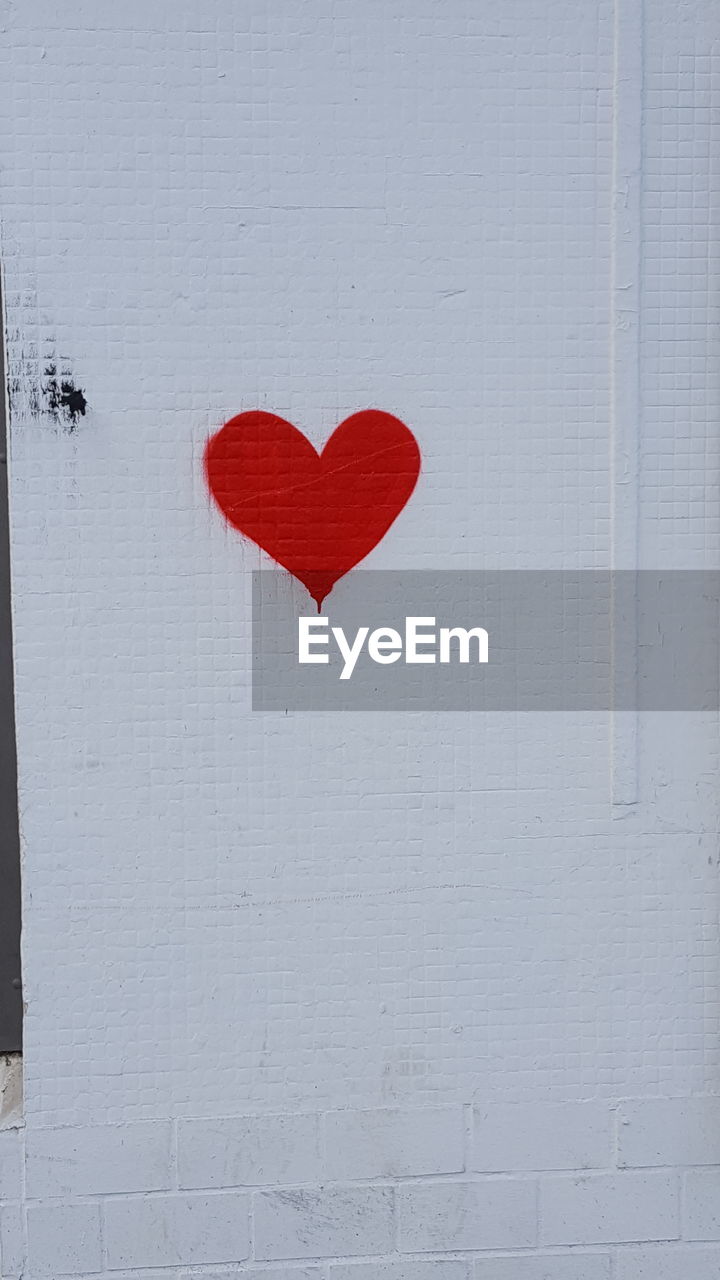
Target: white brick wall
[602,1208]
[461,1225]
[98,1161]
[10,1163]
[527,1136]
[249,1150]
[310,997]
[701,1204]
[322,1222]
[553,1266]
[174,1230]
[437,1217]
[63,1239]
[398,1269]
[670,1131]
[12,1239]
[394,1144]
[680,1263]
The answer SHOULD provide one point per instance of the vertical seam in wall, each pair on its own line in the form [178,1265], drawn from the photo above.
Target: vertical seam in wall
[395,1216]
[322,1133]
[252,1243]
[682,1201]
[174,1158]
[103,1246]
[625,396]
[615,1121]
[23,1193]
[469,1137]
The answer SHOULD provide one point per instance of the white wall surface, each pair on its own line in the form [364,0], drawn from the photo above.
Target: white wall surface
[423,997]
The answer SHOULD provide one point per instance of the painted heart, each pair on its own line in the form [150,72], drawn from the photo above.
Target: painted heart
[316,514]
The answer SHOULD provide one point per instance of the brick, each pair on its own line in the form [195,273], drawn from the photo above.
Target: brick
[232,1271]
[12,1243]
[701,1205]
[249,1151]
[526,1136]
[669,1131]
[274,1273]
[394,1143]
[609,1208]
[98,1160]
[164,1274]
[557,1266]
[179,1230]
[492,1214]
[323,1222]
[10,1164]
[63,1239]
[668,1263]
[401,1269]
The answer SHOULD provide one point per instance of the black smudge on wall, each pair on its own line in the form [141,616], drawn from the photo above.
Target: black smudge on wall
[63,399]
[38,392]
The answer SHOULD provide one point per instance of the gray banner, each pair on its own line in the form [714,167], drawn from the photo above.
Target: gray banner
[554,641]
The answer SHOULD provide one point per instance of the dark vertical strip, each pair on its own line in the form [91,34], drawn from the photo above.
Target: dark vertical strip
[10,990]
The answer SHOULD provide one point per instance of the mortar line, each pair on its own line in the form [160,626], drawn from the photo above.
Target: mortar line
[625,390]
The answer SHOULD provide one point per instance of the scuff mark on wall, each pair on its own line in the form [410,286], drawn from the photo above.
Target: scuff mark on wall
[35,391]
[65,402]
[23,393]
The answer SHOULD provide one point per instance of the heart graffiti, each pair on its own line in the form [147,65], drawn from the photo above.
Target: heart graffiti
[316,514]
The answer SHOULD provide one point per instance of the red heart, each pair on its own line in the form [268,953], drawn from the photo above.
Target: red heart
[317,514]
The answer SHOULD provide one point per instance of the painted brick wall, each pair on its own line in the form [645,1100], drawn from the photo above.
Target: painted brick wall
[429,997]
[633,1191]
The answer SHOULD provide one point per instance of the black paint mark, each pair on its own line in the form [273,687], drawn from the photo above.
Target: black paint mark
[13,391]
[63,399]
[73,401]
[51,394]
[20,384]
